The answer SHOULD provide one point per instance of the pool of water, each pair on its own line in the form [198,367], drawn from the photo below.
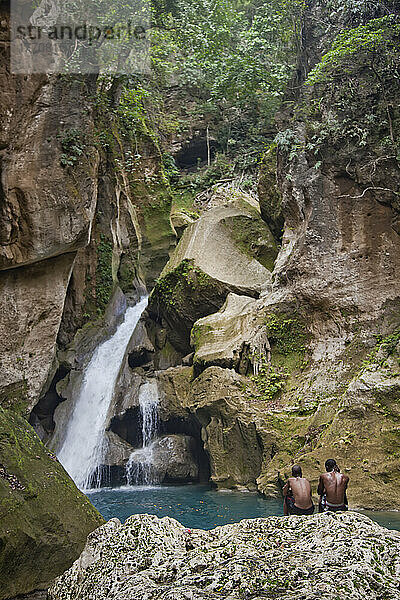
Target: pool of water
[195,506]
[198,506]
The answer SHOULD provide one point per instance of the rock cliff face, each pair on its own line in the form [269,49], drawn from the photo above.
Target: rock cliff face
[315,358]
[229,248]
[344,556]
[70,239]
[46,216]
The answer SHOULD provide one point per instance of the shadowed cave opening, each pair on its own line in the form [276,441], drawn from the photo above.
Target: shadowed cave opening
[195,152]
[140,357]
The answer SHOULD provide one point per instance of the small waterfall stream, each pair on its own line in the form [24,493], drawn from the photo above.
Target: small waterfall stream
[83,448]
[140,467]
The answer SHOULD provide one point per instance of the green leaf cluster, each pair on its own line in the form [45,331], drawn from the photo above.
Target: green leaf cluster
[287,333]
[268,382]
[377,36]
[385,347]
[72,146]
[104,277]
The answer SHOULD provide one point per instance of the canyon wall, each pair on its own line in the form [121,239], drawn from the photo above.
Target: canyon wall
[46,217]
[302,365]
[70,240]
[272,327]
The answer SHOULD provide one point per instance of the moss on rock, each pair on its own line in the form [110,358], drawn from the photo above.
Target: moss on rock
[44,518]
[343,556]
[254,239]
[182,296]
[286,332]
[214,257]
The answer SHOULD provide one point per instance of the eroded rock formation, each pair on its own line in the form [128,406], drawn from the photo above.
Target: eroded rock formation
[228,249]
[315,358]
[274,328]
[344,556]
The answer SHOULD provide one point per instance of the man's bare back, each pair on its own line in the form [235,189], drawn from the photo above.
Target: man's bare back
[301,489]
[297,494]
[332,488]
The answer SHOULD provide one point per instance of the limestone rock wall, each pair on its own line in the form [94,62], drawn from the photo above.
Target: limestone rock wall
[74,250]
[315,358]
[46,215]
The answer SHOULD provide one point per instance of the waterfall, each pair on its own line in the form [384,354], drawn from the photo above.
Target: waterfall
[140,466]
[83,449]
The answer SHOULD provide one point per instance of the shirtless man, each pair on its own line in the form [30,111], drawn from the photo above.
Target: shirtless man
[297,494]
[332,488]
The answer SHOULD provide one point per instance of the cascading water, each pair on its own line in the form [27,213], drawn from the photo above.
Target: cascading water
[140,467]
[83,449]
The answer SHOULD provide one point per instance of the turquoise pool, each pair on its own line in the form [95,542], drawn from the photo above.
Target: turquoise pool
[198,506]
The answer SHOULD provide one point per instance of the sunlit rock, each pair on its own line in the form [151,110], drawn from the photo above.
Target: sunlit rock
[333,556]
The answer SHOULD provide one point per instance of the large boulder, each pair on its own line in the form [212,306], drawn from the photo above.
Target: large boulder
[332,556]
[171,459]
[234,433]
[229,428]
[32,306]
[44,518]
[228,249]
[174,456]
[231,336]
[118,450]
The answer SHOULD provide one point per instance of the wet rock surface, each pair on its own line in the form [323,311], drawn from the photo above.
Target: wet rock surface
[332,556]
[174,458]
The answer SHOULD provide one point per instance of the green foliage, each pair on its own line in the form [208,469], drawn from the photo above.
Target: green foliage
[384,348]
[72,146]
[240,55]
[129,119]
[230,59]
[235,59]
[171,171]
[287,333]
[307,409]
[104,277]
[268,382]
[131,109]
[351,100]
[389,343]
[221,169]
[377,36]
[289,143]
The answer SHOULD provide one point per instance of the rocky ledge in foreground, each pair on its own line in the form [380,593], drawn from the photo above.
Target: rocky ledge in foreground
[337,557]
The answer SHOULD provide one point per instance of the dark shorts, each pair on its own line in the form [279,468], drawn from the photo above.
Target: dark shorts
[325,506]
[295,510]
